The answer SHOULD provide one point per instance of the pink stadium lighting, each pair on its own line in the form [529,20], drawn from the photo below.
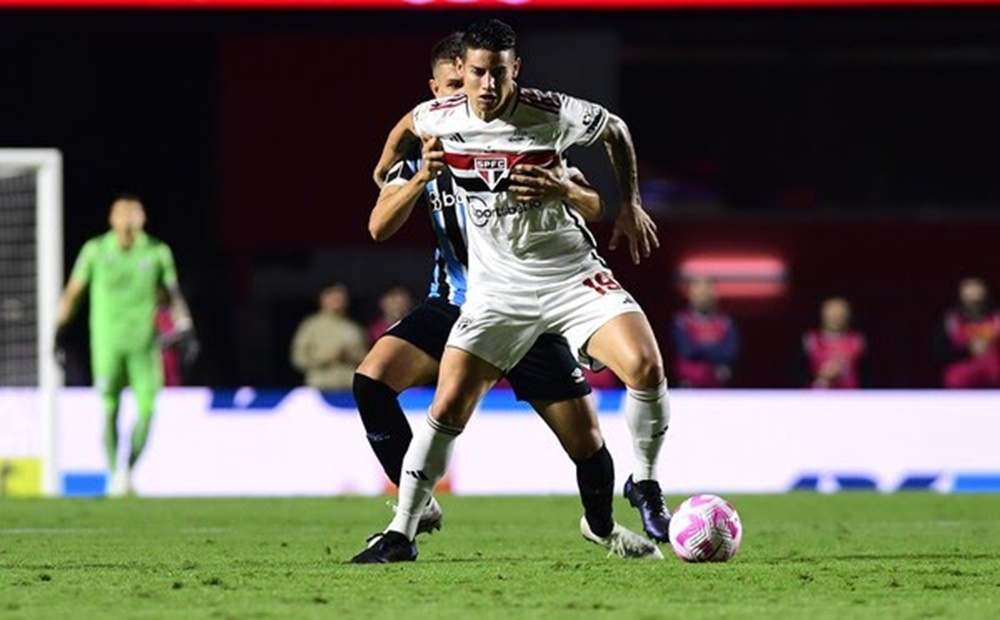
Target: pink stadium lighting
[742,276]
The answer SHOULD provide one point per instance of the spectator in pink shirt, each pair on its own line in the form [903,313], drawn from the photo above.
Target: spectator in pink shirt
[394,304]
[835,356]
[968,343]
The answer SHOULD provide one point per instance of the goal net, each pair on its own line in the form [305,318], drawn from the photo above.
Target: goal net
[30,280]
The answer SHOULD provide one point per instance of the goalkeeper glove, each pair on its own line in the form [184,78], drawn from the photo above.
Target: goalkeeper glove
[61,343]
[185,341]
[188,348]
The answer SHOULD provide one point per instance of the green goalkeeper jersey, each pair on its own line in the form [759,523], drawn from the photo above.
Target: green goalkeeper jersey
[123,284]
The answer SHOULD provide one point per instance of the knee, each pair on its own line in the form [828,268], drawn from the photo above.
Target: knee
[643,370]
[585,446]
[451,409]
[372,367]
[112,400]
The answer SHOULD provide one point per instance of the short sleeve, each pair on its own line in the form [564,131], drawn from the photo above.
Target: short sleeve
[168,270]
[83,268]
[581,122]
[429,116]
[401,172]
[421,122]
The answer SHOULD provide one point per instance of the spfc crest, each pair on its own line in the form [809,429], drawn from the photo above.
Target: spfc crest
[492,169]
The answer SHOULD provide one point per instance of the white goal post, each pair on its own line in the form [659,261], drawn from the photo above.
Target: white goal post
[45,165]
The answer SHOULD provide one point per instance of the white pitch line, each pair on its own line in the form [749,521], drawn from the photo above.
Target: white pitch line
[94,530]
[54,530]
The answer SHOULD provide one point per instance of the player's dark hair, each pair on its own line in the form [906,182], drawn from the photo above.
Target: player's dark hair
[127,197]
[968,279]
[397,288]
[488,34]
[446,50]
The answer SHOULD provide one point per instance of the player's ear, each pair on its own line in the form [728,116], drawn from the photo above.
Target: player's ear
[434,87]
[459,65]
[517,67]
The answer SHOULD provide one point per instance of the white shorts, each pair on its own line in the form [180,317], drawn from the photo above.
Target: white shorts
[500,326]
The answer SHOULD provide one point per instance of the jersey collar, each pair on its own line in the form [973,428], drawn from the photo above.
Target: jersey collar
[111,239]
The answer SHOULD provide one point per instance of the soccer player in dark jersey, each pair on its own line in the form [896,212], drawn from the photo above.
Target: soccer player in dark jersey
[408,354]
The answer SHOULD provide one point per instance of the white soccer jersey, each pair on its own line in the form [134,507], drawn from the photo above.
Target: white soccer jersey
[513,244]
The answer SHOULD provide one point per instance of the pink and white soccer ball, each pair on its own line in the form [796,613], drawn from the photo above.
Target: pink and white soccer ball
[705,528]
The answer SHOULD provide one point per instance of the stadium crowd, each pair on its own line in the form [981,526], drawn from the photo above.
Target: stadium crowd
[705,342]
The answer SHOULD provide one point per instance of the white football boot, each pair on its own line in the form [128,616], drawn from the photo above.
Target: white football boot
[622,542]
[431,518]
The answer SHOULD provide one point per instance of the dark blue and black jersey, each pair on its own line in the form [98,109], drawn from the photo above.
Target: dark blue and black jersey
[451,256]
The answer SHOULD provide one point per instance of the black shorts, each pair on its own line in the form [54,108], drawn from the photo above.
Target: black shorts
[548,372]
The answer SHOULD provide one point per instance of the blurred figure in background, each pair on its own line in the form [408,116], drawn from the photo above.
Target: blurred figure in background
[171,356]
[706,341]
[968,344]
[833,356]
[328,345]
[122,269]
[394,304]
[179,353]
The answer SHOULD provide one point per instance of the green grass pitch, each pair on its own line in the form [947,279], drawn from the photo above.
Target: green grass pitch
[804,556]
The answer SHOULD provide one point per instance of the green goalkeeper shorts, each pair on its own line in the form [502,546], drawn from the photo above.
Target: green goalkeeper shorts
[142,370]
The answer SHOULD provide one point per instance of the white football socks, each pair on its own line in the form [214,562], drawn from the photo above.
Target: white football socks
[424,465]
[647,413]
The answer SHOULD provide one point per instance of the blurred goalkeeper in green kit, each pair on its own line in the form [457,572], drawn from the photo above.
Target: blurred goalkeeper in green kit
[124,268]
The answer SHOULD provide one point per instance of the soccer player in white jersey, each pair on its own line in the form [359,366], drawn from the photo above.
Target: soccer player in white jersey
[533,270]
[548,376]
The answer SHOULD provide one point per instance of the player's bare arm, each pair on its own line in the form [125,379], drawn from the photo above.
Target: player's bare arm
[68,302]
[396,202]
[529,182]
[67,308]
[633,222]
[397,143]
[179,310]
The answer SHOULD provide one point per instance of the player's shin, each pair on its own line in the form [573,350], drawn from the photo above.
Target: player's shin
[595,477]
[140,435]
[424,465]
[111,430]
[647,413]
[385,423]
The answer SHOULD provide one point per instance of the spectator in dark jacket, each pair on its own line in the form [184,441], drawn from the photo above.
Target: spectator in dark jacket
[706,341]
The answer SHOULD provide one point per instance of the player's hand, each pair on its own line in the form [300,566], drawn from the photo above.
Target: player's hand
[182,328]
[184,341]
[59,347]
[529,182]
[638,228]
[432,153]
